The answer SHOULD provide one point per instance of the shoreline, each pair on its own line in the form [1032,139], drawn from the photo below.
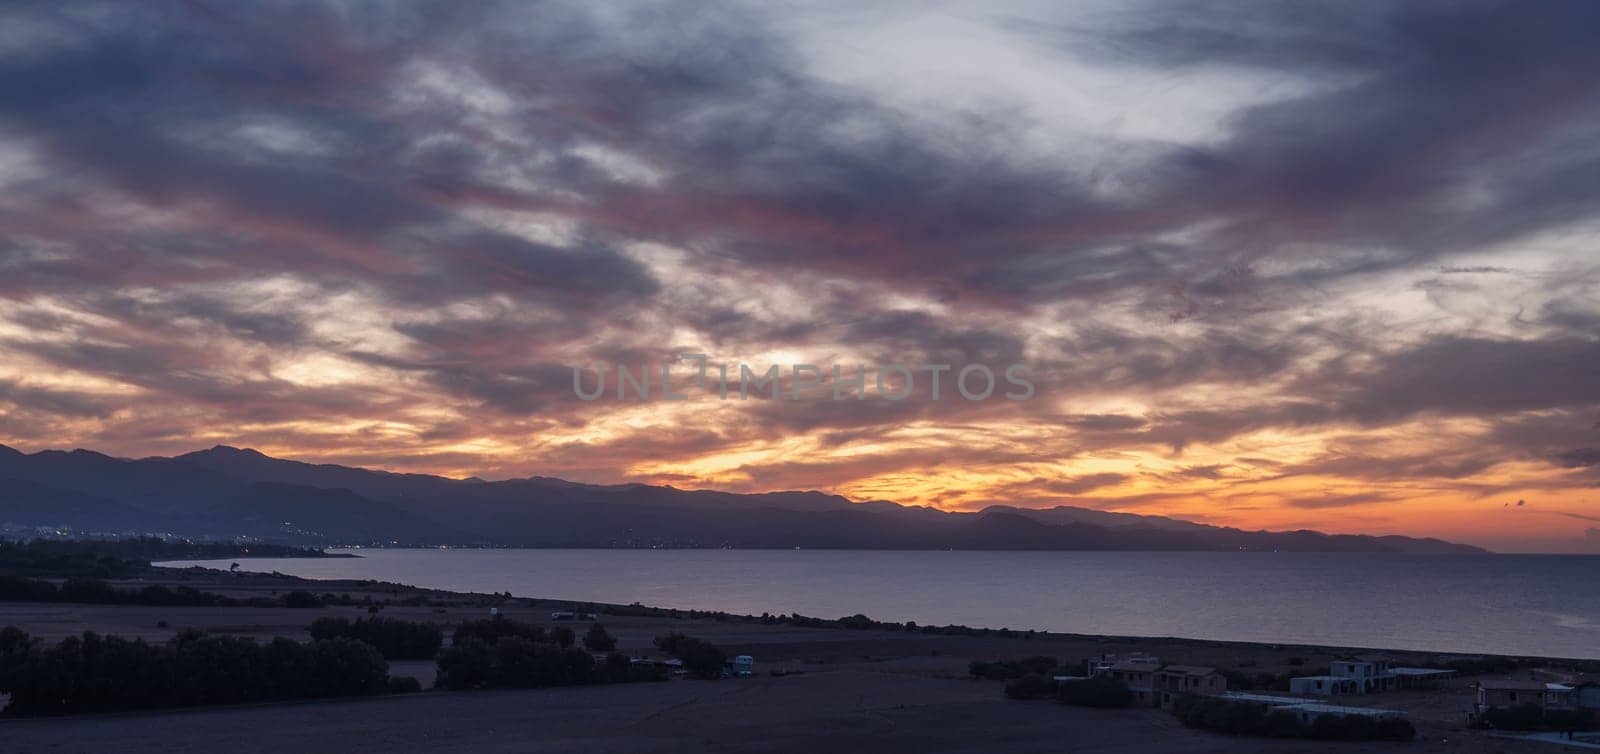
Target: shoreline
[819,684]
[684,613]
[1089,604]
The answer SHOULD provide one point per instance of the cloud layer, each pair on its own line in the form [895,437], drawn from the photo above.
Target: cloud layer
[1269,268]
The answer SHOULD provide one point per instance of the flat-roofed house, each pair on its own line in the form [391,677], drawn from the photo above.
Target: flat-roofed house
[1324,685]
[1516,693]
[1587,694]
[1139,677]
[1370,675]
[1173,681]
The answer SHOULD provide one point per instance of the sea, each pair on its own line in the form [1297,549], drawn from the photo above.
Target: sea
[1537,605]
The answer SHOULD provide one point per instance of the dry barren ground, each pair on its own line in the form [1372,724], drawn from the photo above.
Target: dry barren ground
[845,691]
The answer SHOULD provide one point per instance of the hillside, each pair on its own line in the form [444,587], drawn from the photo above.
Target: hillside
[225,492]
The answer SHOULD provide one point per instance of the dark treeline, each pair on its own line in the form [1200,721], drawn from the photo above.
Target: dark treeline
[701,658]
[855,622]
[95,673]
[395,639]
[503,653]
[1530,717]
[491,630]
[1251,719]
[112,558]
[96,592]
[1005,670]
[1036,681]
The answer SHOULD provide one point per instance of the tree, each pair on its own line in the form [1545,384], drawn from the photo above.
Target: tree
[396,639]
[563,636]
[597,639]
[701,658]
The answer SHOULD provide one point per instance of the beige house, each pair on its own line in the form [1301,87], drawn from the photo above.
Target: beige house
[1173,681]
[1156,685]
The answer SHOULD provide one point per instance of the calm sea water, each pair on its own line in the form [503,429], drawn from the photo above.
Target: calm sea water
[1509,604]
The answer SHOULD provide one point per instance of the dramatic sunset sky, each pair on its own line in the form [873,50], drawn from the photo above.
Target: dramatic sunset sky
[1272,266]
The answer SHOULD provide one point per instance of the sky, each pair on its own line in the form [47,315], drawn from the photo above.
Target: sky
[1269,265]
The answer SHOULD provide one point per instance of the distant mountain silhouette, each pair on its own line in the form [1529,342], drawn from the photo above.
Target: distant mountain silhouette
[227,492]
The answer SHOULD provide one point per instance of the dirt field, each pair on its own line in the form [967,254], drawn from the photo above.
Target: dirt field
[844,691]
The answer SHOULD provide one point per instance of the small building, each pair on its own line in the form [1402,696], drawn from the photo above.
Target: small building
[1266,700]
[1349,677]
[1370,675]
[1411,678]
[1306,710]
[1157,685]
[1173,681]
[1139,677]
[1516,693]
[1324,685]
[1066,678]
[1107,660]
[671,664]
[1308,713]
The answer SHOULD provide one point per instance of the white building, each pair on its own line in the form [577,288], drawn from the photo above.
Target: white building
[1348,677]
[1310,712]
[1324,685]
[1307,710]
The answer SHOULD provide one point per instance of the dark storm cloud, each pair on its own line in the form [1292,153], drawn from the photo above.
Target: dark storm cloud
[379,160]
[1579,458]
[53,402]
[1464,375]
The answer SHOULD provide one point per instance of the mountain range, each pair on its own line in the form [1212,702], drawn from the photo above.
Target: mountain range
[226,493]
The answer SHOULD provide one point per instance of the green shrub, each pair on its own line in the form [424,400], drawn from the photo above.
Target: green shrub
[1533,717]
[491,630]
[404,684]
[95,673]
[1243,718]
[563,636]
[597,639]
[1005,670]
[701,658]
[396,639]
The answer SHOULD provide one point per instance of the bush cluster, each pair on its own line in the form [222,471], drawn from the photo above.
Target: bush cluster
[1096,691]
[597,639]
[111,558]
[1005,670]
[701,658]
[852,622]
[95,673]
[96,592]
[1534,717]
[1251,719]
[395,639]
[491,630]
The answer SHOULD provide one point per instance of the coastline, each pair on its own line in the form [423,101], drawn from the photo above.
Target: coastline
[824,684]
